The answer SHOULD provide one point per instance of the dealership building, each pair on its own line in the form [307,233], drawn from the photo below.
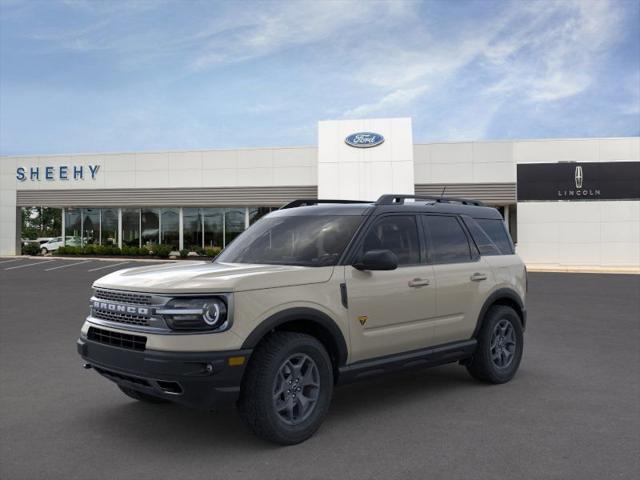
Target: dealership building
[567,202]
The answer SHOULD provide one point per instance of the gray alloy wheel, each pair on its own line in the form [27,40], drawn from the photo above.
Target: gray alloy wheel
[503,344]
[296,389]
[287,387]
[500,346]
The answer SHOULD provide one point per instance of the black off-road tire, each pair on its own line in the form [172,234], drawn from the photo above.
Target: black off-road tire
[256,403]
[484,365]
[143,397]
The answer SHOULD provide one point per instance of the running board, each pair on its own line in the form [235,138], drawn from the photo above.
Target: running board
[425,357]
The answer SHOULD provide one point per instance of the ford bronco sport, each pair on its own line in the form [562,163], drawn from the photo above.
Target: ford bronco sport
[318,293]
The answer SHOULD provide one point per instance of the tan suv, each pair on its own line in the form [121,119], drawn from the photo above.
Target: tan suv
[318,293]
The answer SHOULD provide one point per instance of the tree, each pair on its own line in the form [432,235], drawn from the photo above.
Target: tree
[41,222]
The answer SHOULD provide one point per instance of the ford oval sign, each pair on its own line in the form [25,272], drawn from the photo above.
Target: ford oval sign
[364,139]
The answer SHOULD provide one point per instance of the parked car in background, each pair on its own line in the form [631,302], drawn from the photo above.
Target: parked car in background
[56,242]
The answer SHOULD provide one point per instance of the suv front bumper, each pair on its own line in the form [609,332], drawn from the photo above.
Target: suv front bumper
[195,379]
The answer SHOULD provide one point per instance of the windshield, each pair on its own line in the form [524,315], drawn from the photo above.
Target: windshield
[312,241]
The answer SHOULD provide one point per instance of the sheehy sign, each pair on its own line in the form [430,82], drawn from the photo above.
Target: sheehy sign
[576,181]
[61,172]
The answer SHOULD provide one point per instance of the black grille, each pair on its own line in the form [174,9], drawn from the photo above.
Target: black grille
[124,297]
[117,339]
[128,318]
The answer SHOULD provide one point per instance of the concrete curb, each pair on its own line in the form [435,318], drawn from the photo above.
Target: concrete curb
[97,259]
[578,269]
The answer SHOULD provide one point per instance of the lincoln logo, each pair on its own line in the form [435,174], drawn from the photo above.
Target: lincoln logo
[579,191]
[579,177]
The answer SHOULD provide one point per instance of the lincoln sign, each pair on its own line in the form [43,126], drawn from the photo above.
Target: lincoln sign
[575,181]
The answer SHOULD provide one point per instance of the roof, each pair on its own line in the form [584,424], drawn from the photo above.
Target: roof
[351,207]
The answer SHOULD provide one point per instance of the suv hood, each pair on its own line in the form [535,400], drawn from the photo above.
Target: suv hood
[207,277]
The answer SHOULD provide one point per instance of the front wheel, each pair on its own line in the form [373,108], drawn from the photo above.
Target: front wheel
[44,251]
[287,388]
[500,345]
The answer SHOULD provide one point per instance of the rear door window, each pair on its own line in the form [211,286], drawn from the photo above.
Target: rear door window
[448,242]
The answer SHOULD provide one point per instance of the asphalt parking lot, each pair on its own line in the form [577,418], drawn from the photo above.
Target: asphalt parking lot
[573,410]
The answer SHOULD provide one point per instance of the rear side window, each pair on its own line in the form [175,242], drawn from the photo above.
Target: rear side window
[447,241]
[483,242]
[497,232]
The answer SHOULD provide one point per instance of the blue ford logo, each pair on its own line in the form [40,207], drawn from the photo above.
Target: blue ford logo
[364,139]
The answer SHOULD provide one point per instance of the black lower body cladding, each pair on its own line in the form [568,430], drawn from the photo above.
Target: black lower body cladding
[196,379]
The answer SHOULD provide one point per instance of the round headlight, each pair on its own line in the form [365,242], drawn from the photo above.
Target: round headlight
[194,313]
[211,313]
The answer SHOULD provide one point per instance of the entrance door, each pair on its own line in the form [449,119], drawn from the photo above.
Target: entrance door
[389,311]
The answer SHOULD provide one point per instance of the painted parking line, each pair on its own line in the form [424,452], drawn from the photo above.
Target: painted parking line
[65,266]
[9,261]
[107,266]
[30,264]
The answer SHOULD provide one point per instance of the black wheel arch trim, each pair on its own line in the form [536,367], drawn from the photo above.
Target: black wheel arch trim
[501,294]
[307,314]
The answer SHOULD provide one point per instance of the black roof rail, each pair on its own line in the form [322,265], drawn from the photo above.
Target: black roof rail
[301,202]
[391,199]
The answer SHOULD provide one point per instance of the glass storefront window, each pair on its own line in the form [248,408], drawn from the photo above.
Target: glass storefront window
[192,228]
[256,213]
[170,227]
[109,227]
[150,219]
[90,226]
[131,227]
[233,223]
[72,226]
[213,227]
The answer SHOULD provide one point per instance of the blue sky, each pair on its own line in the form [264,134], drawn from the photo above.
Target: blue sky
[85,76]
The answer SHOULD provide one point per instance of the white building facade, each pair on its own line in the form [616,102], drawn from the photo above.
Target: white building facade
[567,202]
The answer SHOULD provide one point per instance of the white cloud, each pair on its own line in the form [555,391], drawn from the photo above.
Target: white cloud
[397,98]
[534,51]
[272,27]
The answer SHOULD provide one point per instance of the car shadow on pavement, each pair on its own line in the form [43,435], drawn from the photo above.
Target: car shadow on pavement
[155,427]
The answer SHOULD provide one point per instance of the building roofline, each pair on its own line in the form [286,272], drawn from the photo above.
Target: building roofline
[298,147]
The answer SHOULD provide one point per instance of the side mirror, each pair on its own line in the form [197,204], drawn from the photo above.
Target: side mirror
[377,260]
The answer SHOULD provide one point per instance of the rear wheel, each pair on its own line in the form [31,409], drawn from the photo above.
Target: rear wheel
[44,251]
[143,397]
[500,345]
[287,388]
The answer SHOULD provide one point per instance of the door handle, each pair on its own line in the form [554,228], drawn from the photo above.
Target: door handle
[419,282]
[477,277]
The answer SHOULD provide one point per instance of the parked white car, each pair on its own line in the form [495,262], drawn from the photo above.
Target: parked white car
[57,242]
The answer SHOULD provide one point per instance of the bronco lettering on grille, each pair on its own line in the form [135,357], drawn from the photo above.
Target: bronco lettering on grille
[114,307]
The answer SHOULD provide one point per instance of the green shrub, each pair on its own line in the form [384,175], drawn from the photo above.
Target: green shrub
[162,251]
[68,250]
[212,252]
[183,253]
[89,250]
[31,249]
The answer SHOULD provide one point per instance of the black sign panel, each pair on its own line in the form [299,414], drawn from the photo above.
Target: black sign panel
[579,181]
